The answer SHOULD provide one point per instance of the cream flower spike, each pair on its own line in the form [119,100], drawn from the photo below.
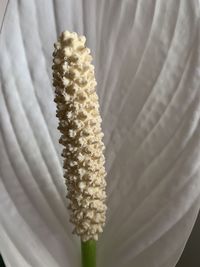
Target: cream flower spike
[80,126]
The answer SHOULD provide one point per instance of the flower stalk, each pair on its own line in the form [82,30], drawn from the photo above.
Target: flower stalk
[88,252]
[81,136]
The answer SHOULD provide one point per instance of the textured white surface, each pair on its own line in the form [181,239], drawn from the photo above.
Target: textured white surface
[147,63]
[81,134]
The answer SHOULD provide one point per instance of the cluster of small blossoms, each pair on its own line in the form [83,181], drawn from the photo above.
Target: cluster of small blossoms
[81,134]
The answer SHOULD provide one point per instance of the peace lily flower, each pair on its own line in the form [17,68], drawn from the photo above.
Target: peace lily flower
[81,136]
[79,124]
[146,58]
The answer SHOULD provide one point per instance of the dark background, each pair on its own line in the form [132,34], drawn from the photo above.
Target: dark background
[191,253]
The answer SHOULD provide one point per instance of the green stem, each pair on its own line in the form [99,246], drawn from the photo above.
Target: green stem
[88,251]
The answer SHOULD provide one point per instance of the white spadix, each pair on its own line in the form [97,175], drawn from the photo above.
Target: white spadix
[80,126]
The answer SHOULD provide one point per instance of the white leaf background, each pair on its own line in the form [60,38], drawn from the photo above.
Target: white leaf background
[147,57]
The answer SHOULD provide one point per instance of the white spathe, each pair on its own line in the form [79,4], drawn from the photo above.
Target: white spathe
[147,60]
